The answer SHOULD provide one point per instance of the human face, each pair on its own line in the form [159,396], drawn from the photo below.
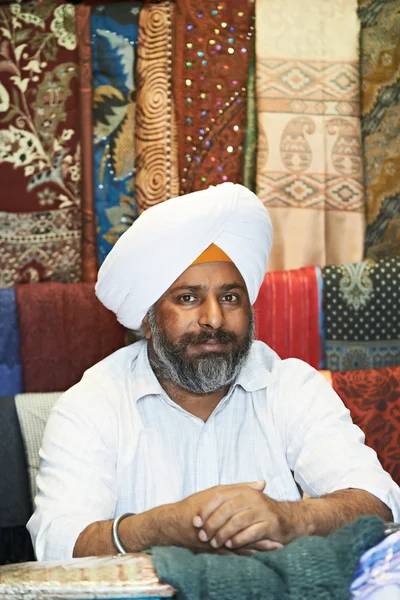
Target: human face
[201,329]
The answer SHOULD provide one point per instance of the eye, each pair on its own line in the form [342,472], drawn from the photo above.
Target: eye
[187,299]
[230,298]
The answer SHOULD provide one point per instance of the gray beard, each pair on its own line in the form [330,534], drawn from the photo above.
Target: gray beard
[199,374]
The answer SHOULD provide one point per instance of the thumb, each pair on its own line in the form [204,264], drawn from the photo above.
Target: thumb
[258,485]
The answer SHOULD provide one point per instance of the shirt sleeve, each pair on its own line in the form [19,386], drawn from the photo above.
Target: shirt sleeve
[77,476]
[325,450]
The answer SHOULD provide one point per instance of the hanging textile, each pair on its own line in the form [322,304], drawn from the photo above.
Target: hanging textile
[89,257]
[362,308]
[373,398]
[40,217]
[309,171]
[156,131]
[250,142]
[210,67]
[114,30]
[10,362]
[64,330]
[380,105]
[287,313]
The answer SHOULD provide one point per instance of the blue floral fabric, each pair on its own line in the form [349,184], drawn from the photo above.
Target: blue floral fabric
[114,35]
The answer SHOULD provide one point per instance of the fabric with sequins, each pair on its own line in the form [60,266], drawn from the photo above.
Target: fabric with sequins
[309,167]
[211,59]
[114,30]
[362,307]
[380,105]
[156,133]
[40,218]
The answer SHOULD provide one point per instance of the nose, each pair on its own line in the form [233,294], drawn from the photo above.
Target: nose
[211,315]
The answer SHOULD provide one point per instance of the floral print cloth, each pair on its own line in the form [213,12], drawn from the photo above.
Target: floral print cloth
[373,398]
[40,220]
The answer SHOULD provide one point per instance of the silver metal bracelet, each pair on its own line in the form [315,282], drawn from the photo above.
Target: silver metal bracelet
[114,532]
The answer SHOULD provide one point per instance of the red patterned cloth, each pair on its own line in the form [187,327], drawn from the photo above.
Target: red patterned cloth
[373,398]
[287,314]
[210,68]
[64,330]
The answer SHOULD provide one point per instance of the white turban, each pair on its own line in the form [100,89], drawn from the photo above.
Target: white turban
[164,241]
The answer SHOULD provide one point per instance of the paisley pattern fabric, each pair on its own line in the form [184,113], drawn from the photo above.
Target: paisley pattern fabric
[89,256]
[156,132]
[210,67]
[40,216]
[373,398]
[380,105]
[309,168]
[114,29]
[362,308]
[287,298]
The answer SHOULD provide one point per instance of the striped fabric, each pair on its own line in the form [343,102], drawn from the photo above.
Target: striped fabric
[287,314]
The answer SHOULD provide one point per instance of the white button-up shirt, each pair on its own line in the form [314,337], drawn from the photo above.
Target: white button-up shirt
[116,443]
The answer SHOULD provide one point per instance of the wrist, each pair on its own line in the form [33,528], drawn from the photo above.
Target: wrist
[295,520]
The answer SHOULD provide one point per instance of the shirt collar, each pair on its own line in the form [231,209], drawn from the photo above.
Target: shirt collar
[254,375]
[145,383]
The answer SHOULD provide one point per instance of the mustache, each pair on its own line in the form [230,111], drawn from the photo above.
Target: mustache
[220,336]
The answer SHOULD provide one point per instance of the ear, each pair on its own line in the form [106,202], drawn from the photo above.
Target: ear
[146,327]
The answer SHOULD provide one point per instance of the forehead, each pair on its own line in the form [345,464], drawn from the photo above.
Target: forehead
[209,275]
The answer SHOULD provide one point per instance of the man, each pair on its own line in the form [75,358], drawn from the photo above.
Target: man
[206,437]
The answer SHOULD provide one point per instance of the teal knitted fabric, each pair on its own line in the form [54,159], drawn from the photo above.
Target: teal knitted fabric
[309,567]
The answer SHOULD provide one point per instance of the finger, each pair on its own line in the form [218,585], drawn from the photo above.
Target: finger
[221,494]
[252,535]
[223,514]
[237,523]
[258,485]
[264,545]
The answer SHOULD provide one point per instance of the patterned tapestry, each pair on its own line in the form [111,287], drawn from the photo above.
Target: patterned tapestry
[157,176]
[309,168]
[114,30]
[362,308]
[373,398]
[40,218]
[250,142]
[287,314]
[210,66]
[89,255]
[380,105]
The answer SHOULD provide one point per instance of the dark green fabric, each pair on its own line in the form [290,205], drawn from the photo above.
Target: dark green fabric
[310,567]
[250,143]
